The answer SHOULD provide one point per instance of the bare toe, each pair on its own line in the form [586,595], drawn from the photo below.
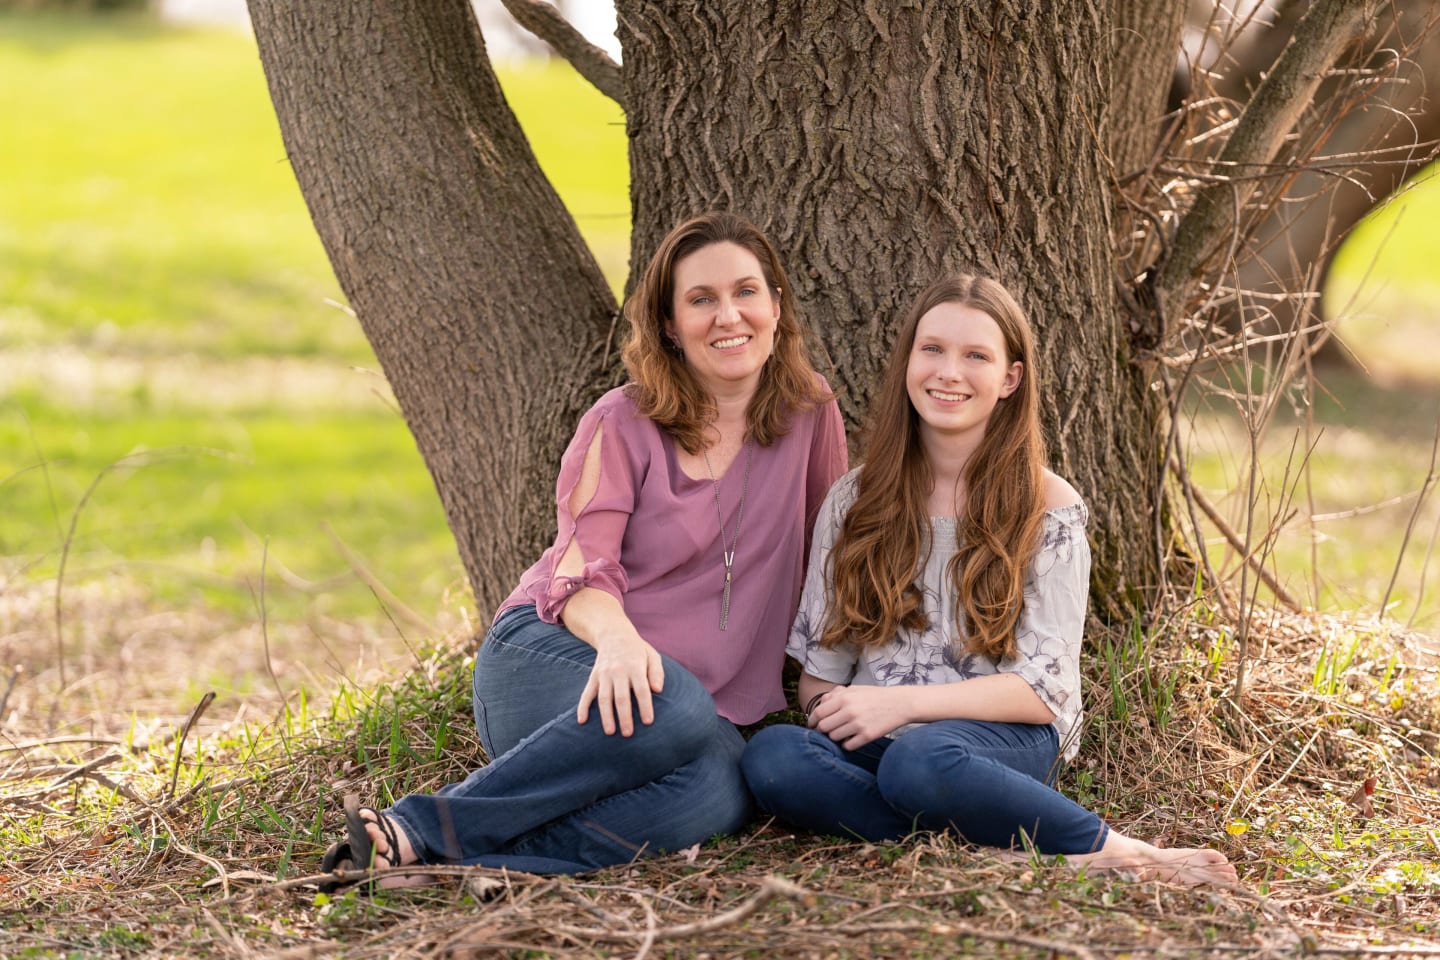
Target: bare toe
[1190,867]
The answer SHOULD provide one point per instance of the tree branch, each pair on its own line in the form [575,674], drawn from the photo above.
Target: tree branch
[1320,37]
[592,63]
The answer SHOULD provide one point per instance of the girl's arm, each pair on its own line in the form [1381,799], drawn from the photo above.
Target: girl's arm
[855,715]
[809,689]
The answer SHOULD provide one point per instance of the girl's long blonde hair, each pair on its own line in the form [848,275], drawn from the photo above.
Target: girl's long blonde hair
[885,538]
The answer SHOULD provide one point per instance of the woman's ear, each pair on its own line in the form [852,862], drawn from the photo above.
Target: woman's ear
[1012,380]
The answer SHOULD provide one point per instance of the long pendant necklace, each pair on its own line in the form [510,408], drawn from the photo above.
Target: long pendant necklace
[729,554]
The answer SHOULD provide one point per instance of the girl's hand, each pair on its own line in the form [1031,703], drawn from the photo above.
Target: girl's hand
[625,667]
[854,716]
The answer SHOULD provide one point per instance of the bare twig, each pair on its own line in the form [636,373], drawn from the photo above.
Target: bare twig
[771,888]
[195,714]
[1251,558]
[592,63]
[1327,28]
[77,772]
[264,622]
[5,697]
[373,582]
[1430,477]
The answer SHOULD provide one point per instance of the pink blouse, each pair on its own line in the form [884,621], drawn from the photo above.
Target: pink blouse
[651,538]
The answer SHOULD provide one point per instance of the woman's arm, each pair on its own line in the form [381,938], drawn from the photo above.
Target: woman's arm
[626,666]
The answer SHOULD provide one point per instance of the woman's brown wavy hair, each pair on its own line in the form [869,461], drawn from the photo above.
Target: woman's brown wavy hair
[885,538]
[662,384]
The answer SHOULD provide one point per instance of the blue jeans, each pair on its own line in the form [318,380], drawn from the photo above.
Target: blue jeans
[563,797]
[986,781]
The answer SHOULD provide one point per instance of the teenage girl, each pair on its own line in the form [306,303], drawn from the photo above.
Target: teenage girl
[940,624]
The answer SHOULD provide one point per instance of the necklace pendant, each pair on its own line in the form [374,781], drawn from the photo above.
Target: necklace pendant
[728,554]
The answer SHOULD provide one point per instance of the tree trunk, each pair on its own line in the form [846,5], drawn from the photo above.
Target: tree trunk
[487,312]
[1147,39]
[883,148]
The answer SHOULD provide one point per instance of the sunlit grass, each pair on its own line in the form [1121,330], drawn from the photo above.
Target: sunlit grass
[186,502]
[162,288]
[1360,472]
[1384,287]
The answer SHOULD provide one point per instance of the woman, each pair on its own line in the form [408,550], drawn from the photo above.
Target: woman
[939,631]
[609,686]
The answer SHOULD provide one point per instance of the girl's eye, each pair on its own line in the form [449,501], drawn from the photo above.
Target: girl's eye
[977,355]
[930,348]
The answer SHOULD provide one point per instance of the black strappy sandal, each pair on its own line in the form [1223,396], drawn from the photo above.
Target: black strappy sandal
[356,852]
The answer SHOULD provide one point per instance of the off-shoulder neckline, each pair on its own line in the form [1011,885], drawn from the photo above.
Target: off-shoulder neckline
[1068,513]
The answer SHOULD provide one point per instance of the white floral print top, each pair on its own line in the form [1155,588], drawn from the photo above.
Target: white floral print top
[1047,636]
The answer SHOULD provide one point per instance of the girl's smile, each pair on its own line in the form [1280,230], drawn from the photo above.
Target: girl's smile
[958,371]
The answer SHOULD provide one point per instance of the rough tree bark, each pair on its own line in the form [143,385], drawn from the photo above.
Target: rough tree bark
[884,147]
[485,308]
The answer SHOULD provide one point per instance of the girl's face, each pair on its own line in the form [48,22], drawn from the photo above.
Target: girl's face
[958,370]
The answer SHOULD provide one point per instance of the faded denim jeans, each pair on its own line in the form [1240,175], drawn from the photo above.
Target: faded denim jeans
[561,796]
[988,782]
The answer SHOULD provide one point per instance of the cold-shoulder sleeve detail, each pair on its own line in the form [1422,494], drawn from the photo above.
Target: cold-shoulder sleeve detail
[838,664]
[829,458]
[1052,623]
[597,527]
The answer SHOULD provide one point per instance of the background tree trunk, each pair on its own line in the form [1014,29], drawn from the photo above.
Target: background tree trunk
[1294,246]
[486,310]
[883,148]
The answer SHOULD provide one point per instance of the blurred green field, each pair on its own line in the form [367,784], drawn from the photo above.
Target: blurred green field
[1384,286]
[161,287]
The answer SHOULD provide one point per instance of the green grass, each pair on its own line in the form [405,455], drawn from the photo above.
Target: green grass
[1366,469]
[151,197]
[161,286]
[1384,288]
[198,494]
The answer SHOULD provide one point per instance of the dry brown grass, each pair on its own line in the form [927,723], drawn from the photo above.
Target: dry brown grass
[103,859]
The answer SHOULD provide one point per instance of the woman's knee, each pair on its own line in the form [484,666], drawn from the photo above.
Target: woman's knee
[684,709]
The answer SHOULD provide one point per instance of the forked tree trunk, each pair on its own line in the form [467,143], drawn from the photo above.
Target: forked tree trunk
[882,145]
[879,144]
[485,308]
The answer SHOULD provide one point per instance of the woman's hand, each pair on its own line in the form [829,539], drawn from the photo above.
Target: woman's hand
[854,716]
[625,667]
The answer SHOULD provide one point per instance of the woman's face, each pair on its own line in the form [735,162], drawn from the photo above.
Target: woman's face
[958,370]
[724,317]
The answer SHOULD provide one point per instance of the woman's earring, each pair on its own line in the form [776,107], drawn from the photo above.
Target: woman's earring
[674,343]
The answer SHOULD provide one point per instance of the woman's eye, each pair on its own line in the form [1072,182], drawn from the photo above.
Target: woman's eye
[977,355]
[699,301]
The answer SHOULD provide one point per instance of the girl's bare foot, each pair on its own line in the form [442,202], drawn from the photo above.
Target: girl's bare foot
[1188,866]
